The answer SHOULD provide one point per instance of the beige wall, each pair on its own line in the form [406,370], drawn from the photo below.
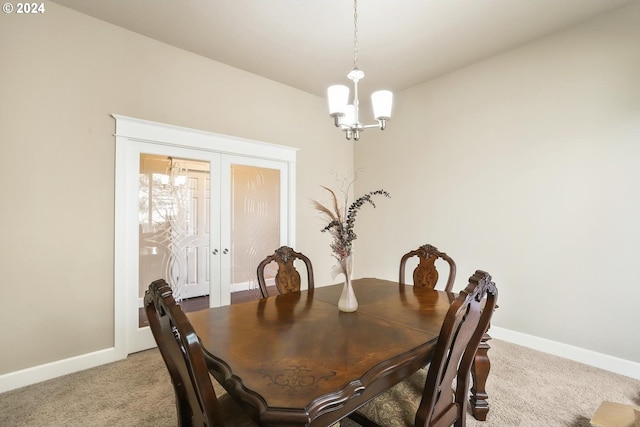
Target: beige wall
[61,76]
[525,165]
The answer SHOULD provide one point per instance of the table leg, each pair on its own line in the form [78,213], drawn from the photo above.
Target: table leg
[479,373]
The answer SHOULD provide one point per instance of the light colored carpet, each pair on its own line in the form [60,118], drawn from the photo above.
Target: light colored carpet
[526,388]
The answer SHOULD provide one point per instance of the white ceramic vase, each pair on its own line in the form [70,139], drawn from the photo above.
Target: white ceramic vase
[347,302]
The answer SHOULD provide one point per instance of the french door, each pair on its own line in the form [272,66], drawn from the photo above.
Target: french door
[199,218]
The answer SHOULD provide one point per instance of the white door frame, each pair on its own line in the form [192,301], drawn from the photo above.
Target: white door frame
[130,132]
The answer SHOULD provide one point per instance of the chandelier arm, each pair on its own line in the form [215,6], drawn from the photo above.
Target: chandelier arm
[377,125]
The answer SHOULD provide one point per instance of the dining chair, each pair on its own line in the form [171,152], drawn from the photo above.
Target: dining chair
[196,400]
[287,277]
[426,273]
[437,397]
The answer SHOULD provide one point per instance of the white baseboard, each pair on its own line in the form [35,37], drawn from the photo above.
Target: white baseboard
[245,286]
[56,369]
[577,354]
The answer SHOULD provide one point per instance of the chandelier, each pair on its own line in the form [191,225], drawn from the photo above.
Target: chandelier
[345,115]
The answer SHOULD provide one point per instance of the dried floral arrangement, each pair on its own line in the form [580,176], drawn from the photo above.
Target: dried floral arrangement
[342,220]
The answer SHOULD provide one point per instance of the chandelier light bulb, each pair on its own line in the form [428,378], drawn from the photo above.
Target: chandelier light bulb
[338,96]
[382,101]
[349,117]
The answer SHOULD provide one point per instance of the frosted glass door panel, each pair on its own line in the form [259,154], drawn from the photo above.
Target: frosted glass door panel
[255,221]
[174,224]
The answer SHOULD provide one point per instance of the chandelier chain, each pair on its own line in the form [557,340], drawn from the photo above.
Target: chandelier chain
[355,34]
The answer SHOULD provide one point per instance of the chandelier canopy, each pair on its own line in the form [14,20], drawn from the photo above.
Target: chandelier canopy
[345,115]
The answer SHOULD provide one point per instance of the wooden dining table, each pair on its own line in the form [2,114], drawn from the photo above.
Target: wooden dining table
[296,360]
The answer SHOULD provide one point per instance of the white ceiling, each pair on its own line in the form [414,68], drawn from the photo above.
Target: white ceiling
[308,44]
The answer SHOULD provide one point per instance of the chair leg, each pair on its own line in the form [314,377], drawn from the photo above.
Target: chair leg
[479,372]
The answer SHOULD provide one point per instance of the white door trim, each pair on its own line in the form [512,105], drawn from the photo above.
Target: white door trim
[161,133]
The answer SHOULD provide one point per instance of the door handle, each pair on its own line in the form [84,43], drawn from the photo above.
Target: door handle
[225,251]
[215,252]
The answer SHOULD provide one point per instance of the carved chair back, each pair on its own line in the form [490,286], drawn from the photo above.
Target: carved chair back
[196,400]
[464,326]
[426,273]
[287,277]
